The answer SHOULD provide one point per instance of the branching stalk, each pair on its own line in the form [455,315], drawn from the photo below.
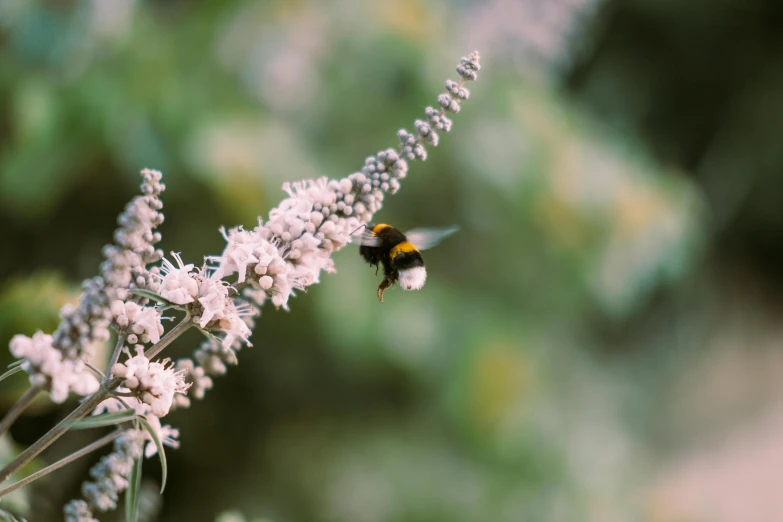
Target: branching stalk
[169,337]
[103,441]
[115,356]
[55,433]
[16,410]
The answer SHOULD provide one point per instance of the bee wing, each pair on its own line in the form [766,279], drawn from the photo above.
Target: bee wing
[424,238]
[366,238]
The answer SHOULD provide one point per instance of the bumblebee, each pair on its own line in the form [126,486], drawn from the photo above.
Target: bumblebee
[399,254]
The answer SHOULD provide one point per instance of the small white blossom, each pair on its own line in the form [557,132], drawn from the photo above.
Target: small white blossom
[139,321]
[153,383]
[178,283]
[198,380]
[211,356]
[238,256]
[214,300]
[234,325]
[217,310]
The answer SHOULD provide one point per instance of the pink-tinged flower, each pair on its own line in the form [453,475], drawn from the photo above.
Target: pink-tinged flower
[178,283]
[136,320]
[238,255]
[153,383]
[234,325]
[213,297]
[48,367]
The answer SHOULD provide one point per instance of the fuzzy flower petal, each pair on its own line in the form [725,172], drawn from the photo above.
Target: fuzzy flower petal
[154,383]
[48,367]
[178,283]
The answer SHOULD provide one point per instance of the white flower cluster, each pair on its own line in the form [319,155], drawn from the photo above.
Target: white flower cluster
[50,369]
[84,326]
[153,383]
[208,298]
[290,250]
[134,249]
[110,478]
[138,323]
[178,283]
[198,380]
[211,356]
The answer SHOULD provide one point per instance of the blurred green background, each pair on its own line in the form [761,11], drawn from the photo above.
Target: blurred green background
[601,341]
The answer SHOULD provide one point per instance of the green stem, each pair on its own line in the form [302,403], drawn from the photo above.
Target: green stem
[115,356]
[16,410]
[103,441]
[169,337]
[55,433]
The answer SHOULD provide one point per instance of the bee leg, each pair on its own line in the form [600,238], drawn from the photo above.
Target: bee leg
[376,273]
[386,283]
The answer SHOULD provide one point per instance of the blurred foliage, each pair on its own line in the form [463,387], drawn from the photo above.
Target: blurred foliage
[530,379]
[28,305]
[17,501]
[235,516]
[33,303]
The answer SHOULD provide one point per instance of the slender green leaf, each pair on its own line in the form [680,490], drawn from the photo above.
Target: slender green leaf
[15,369]
[107,419]
[16,363]
[161,453]
[155,297]
[132,493]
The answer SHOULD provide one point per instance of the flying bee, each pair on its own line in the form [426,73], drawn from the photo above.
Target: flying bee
[399,253]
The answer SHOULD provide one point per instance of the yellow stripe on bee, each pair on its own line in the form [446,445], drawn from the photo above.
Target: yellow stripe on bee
[402,248]
[377,228]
